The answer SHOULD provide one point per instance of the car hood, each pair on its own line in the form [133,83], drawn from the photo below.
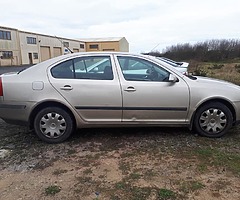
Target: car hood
[216,82]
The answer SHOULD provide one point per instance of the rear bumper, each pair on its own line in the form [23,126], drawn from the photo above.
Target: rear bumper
[15,113]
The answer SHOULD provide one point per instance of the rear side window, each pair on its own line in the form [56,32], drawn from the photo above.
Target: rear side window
[92,67]
[63,70]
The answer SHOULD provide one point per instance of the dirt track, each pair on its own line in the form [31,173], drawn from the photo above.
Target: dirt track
[149,163]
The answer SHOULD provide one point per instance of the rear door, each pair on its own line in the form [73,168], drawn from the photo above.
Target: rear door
[90,85]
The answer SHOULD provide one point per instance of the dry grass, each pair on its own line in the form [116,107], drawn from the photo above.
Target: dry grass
[225,71]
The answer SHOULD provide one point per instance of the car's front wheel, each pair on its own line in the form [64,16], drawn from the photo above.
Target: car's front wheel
[53,125]
[213,119]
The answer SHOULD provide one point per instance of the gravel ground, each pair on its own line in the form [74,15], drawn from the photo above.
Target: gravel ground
[123,163]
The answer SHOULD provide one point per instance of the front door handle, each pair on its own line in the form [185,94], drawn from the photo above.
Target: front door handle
[66,87]
[130,89]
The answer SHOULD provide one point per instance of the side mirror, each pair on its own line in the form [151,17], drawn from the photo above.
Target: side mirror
[172,78]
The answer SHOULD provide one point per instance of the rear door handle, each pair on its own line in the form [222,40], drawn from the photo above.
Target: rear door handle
[130,89]
[66,87]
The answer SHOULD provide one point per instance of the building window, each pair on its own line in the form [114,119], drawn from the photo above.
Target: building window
[6,55]
[31,40]
[35,56]
[5,35]
[82,46]
[93,46]
[108,49]
[66,44]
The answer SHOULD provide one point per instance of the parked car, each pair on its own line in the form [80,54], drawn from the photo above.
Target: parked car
[180,66]
[84,90]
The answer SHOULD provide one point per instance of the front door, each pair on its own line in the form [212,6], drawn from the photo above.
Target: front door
[30,58]
[148,96]
[90,85]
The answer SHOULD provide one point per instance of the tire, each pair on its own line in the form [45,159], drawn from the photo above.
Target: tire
[53,125]
[213,120]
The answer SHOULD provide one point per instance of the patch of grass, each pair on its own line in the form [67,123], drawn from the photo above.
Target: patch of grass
[217,66]
[226,71]
[164,194]
[84,180]
[202,168]
[139,193]
[52,190]
[149,174]
[43,164]
[121,185]
[87,171]
[131,192]
[127,154]
[201,72]
[134,176]
[124,167]
[114,197]
[237,67]
[220,185]
[191,186]
[101,176]
[59,171]
[71,151]
[215,157]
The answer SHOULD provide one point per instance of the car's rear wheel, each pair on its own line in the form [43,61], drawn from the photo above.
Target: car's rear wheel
[213,120]
[53,125]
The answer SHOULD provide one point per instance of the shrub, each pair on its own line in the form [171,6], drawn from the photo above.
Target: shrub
[216,66]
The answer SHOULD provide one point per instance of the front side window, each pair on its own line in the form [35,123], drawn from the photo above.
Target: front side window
[137,69]
[94,67]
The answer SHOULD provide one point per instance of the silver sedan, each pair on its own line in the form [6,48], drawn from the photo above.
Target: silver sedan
[101,89]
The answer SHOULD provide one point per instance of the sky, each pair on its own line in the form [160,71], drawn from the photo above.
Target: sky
[146,24]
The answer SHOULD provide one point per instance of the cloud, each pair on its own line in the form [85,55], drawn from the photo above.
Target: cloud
[145,24]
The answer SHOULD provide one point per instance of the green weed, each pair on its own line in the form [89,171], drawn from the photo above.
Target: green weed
[52,190]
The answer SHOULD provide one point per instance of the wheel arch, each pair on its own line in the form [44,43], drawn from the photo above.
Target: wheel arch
[49,104]
[223,101]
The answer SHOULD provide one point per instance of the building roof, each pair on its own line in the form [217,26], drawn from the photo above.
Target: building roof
[105,39]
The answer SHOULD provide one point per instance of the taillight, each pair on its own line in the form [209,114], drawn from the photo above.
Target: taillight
[1,88]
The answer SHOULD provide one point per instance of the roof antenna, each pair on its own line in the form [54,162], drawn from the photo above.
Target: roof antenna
[63,45]
[155,47]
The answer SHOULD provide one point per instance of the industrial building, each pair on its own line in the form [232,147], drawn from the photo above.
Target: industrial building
[106,44]
[22,48]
